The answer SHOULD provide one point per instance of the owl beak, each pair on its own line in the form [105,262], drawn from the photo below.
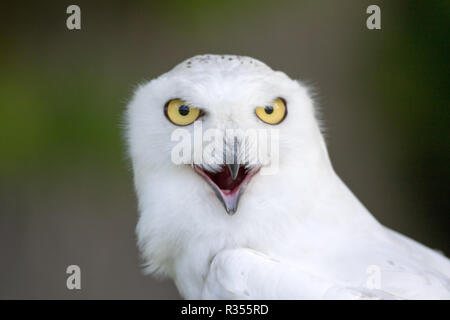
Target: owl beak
[228,184]
[234,170]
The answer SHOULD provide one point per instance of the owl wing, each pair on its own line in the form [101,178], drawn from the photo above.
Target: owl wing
[248,274]
[419,273]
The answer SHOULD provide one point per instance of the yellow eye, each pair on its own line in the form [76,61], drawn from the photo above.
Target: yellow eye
[180,113]
[273,113]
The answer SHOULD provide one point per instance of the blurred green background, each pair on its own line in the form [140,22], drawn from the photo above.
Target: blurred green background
[66,192]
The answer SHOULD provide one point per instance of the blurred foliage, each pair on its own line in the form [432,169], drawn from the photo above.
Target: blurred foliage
[53,120]
[414,81]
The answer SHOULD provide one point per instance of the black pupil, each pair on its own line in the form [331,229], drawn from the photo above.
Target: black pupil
[268,109]
[183,110]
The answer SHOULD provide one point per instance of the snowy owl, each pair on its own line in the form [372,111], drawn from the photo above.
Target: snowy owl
[226,229]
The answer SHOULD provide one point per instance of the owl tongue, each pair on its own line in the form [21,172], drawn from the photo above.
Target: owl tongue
[227,189]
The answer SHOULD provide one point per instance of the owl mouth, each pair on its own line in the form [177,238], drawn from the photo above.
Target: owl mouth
[228,184]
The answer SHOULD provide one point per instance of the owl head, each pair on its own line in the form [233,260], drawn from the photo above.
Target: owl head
[221,144]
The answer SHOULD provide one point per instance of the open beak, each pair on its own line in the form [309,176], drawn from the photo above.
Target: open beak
[228,184]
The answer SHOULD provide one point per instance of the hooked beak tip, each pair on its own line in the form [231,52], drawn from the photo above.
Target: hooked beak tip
[234,170]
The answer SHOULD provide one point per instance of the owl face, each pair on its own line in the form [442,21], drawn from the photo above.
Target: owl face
[221,115]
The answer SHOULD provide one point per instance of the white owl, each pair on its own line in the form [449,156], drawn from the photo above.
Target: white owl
[225,230]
